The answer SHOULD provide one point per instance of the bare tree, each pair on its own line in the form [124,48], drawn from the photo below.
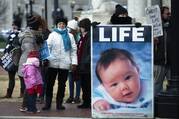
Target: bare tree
[3,8]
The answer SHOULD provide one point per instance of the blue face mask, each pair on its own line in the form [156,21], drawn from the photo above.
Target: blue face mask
[61,29]
[69,30]
[78,36]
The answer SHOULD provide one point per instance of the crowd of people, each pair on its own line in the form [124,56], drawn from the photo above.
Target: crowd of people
[69,47]
[70,59]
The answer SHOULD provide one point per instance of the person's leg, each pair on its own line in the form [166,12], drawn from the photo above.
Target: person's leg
[78,90]
[71,88]
[159,76]
[31,105]
[43,73]
[22,88]
[51,76]
[62,78]
[86,89]
[11,84]
[25,96]
[24,102]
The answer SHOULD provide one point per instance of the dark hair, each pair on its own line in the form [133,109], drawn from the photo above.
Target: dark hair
[61,19]
[85,23]
[17,23]
[109,56]
[34,22]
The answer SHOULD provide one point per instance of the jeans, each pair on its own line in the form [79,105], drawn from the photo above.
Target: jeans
[31,102]
[161,73]
[71,85]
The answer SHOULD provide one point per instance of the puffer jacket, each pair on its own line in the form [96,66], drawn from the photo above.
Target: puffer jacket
[32,78]
[59,58]
[32,75]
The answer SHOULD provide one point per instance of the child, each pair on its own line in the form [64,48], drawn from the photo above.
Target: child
[120,86]
[33,80]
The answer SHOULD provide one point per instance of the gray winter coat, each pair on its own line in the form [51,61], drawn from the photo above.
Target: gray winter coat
[28,43]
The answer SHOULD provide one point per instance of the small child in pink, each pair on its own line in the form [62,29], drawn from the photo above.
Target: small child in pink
[33,80]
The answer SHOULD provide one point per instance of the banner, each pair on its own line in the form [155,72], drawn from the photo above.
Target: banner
[122,74]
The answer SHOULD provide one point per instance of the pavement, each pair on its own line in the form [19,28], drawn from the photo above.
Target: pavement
[9,108]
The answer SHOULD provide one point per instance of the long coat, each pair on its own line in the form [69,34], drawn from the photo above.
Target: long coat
[28,43]
[84,65]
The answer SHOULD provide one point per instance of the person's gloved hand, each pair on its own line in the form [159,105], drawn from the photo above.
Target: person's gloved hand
[46,62]
[73,67]
[95,23]
[138,24]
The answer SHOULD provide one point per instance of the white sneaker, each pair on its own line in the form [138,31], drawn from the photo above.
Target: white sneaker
[23,109]
[38,111]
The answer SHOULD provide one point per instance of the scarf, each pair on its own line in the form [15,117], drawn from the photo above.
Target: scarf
[65,37]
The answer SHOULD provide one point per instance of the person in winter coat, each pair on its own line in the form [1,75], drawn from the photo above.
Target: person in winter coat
[84,62]
[33,80]
[30,40]
[63,57]
[13,46]
[120,16]
[74,83]
[162,52]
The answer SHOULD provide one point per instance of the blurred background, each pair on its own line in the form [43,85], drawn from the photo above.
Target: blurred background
[96,10]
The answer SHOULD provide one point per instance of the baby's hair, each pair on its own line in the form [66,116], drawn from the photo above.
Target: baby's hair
[111,55]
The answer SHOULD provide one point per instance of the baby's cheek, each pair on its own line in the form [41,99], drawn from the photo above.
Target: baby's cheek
[115,94]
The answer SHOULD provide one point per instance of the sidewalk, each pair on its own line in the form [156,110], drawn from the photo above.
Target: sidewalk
[10,110]
[9,107]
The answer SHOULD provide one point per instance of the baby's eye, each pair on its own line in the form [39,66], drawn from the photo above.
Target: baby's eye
[114,84]
[128,77]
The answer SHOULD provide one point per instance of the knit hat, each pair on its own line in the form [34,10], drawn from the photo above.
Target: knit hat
[73,24]
[64,20]
[120,10]
[85,23]
[33,22]
[33,58]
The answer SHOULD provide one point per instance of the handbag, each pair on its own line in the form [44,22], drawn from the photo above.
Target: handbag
[7,63]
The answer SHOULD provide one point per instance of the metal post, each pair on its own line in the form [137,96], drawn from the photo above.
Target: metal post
[26,8]
[31,7]
[55,5]
[46,18]
[54,14]
[72,5]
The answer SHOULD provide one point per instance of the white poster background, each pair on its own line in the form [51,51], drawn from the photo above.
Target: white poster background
[154,17]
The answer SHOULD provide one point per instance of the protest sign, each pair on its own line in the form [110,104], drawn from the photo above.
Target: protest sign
[113,47]
[154,17]
[44,51]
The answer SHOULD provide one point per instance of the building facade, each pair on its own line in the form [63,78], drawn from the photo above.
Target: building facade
[71,8]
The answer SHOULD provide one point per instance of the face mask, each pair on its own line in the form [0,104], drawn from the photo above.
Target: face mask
[69,29]
[61,29]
